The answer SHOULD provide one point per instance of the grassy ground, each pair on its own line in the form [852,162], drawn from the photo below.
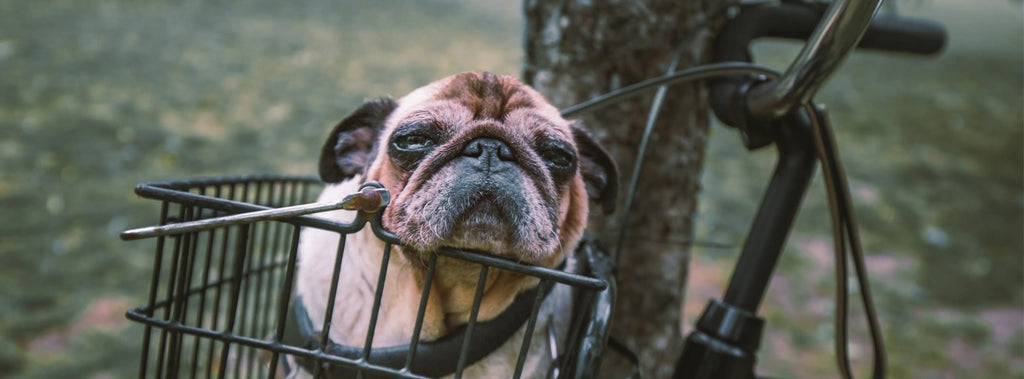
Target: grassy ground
[97,96]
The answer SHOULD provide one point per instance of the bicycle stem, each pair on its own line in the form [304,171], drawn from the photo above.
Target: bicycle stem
[835,37]
[774,219]
[728,333]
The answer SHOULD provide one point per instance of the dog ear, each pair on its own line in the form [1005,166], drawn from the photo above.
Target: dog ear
[600,174]
[349,148]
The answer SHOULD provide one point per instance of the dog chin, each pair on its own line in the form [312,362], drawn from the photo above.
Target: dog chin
[483,228]
[482,235]
[504,221]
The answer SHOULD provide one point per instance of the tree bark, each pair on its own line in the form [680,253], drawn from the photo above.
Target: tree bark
[576,50]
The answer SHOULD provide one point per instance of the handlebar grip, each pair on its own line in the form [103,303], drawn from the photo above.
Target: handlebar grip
[904,34]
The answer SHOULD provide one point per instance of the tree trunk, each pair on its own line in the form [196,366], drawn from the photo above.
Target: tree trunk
[576,50]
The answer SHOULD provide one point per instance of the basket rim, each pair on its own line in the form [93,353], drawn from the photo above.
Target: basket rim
[177,191]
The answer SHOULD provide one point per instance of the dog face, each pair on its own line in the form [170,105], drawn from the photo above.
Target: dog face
[478,162]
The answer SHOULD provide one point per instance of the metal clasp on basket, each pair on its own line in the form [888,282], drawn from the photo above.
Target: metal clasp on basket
[371,198]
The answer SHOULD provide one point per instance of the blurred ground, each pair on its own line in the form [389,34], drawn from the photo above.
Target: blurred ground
[97,96]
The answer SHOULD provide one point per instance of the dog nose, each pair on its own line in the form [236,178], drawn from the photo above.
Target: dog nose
[490,147]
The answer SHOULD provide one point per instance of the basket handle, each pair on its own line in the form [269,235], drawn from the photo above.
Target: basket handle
[371,198]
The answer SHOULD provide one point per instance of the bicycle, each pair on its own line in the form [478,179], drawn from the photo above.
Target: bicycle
[253,240]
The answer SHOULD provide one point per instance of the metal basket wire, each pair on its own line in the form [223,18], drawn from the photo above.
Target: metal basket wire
[219,296]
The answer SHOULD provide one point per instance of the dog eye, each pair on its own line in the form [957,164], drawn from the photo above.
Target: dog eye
[560,159]
[412,142]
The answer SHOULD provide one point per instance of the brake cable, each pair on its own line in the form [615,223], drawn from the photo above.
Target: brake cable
[845,233]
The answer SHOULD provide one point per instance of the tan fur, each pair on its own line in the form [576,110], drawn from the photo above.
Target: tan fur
[466,106]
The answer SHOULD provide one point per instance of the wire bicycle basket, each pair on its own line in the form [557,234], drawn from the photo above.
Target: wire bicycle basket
[221,293]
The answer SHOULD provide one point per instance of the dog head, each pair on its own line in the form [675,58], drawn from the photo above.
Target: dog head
[479,162]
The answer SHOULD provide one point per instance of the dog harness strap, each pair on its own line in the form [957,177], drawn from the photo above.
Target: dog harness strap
[433,358]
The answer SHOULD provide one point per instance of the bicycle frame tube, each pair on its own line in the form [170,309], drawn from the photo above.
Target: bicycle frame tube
[774,218]
[835,37]
[727,335]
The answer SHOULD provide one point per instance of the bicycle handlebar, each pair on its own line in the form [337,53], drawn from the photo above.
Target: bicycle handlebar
[833,39]
[831,33]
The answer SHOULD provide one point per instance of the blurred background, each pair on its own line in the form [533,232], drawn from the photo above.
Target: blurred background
[97,96]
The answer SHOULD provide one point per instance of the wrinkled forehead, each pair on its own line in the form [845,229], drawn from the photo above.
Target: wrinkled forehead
[470,98]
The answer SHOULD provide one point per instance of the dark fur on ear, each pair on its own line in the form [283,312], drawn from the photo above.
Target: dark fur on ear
[600,174]
[349,148]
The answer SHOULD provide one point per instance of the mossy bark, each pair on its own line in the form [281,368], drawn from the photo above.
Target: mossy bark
[577,50]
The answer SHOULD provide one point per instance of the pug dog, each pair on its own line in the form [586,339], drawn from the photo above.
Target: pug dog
[477,162]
